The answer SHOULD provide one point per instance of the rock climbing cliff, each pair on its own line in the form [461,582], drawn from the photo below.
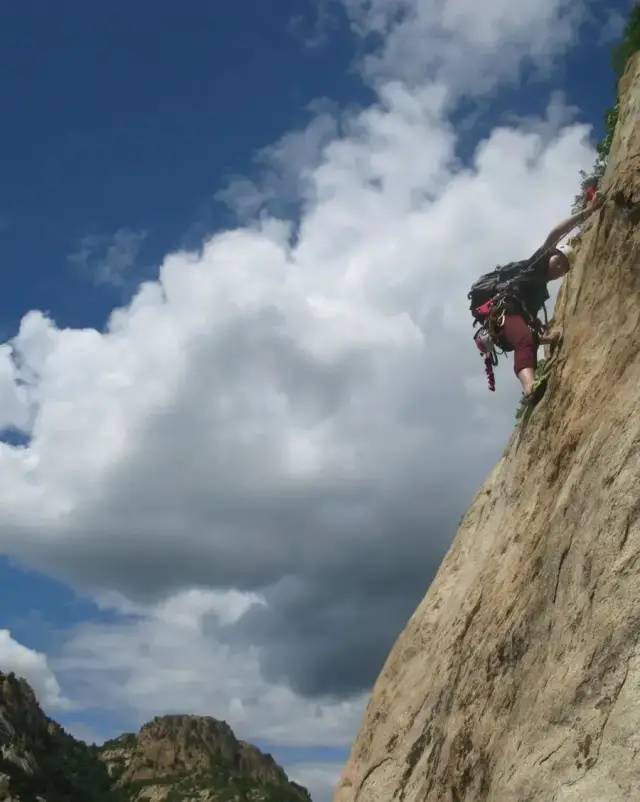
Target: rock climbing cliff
[518,677]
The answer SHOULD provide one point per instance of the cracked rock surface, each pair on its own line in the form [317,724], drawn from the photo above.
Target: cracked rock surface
[518,677]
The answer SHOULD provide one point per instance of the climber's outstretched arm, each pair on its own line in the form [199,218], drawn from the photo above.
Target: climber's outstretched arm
[571,222]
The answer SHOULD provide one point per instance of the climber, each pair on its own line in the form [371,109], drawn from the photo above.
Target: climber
[506,303]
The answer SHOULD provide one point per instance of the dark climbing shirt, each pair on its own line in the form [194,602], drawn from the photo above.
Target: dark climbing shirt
[532,291]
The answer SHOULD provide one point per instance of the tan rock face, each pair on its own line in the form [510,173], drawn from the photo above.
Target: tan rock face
[518,677]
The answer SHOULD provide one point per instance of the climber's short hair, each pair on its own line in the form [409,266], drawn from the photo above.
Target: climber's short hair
[559,265]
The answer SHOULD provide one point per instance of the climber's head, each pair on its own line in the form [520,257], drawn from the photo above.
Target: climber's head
[558,266]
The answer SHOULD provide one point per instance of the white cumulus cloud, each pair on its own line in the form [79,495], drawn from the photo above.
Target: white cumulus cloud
[290,419]
[173,658]
[471,46]
[32,666]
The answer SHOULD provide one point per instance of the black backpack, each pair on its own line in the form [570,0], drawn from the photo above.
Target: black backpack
[504,279]
[517,283]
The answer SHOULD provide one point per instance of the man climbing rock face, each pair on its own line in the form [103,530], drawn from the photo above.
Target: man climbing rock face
[506,303]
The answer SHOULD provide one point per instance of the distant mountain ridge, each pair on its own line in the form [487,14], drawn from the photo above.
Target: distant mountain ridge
[194,757]
[171,759]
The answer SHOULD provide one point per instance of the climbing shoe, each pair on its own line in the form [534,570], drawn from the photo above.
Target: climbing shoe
[530,399]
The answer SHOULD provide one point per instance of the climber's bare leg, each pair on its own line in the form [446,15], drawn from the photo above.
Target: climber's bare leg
[526,376]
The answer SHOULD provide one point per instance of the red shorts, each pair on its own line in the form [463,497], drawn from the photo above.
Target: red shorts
[523,342]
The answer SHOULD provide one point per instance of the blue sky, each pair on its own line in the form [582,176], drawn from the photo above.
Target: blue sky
[132,116]
[121,123]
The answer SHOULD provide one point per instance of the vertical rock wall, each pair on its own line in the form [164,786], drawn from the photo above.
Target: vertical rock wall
[518,677]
